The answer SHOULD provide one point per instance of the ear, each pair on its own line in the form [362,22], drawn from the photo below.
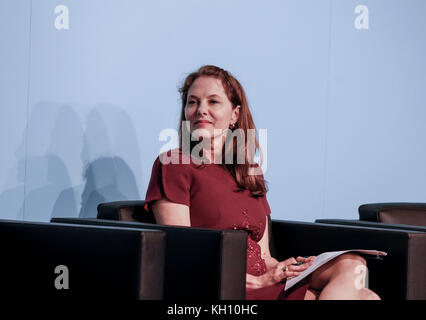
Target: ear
[235,114]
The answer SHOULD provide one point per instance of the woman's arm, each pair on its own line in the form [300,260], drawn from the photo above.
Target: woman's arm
[170,213]
[264,249]
[267,278]
[274,269]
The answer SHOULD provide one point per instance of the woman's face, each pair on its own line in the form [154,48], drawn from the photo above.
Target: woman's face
[208,107]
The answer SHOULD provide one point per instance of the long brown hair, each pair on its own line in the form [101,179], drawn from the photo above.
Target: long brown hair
[237,96]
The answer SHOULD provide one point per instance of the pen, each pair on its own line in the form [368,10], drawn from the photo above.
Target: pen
[299,263]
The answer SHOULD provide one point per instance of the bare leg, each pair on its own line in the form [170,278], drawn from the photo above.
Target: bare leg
[339,280]
[311,294]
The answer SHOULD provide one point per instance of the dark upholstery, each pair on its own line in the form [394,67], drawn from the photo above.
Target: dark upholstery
[370,224]
[227,276]
[397,276]
[404,276]
[132,211]
[102,262]
[200,264]
[408,218]
[394,212]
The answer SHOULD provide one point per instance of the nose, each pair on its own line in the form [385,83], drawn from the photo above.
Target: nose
[202,108]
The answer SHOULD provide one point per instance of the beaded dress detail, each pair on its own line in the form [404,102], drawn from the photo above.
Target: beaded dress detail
[255,264]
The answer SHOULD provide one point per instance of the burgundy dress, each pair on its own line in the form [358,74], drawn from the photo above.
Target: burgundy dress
[216,202]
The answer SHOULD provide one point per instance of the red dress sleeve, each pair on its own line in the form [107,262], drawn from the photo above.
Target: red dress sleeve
[266,205]
[171,181]
[264,200]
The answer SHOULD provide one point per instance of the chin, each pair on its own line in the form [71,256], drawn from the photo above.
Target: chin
[202,132]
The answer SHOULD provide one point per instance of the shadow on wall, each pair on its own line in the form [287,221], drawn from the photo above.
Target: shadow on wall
[40,171]
[61,151]
[107,179]
[11,199]
[50,175]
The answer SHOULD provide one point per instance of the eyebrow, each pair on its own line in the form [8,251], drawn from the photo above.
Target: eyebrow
[210,96]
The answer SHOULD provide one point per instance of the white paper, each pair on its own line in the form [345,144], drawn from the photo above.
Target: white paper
[324,258]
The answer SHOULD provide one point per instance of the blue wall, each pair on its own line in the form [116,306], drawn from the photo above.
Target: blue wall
[81,109]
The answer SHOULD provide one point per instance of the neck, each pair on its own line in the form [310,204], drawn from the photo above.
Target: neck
[212,153]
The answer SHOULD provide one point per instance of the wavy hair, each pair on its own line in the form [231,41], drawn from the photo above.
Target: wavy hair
[235,93]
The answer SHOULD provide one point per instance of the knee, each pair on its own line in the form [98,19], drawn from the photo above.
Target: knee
[349,261]
[367,294]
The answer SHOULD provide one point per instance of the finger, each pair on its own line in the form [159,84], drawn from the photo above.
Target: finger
[285,274]
[304,259]
[309,260]
[291,274]
[299,268]
[306,263]
[289,261]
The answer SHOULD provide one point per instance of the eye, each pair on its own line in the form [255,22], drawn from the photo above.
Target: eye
[214,101]
[191,102]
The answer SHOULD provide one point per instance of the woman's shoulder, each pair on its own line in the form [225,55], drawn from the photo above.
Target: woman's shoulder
[168,168]
[173,162]
[173,157]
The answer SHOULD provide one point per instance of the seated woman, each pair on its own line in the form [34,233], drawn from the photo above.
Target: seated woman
[211,181]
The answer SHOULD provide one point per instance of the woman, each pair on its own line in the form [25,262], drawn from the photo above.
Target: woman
[205,189]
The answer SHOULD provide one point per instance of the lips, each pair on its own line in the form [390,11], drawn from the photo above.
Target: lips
[202,121]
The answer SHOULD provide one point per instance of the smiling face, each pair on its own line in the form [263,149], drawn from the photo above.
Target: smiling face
[208,107]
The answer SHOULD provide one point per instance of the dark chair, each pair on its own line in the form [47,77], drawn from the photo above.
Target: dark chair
[400,275]
[131,211]
[394,213]
[55,260]
[410,220]
[200,264]
[391,278]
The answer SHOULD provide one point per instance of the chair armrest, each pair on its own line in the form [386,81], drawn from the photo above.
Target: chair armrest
[394,212]
[131,210]
[100,262]
[399,276]
[372,224]
[200,264]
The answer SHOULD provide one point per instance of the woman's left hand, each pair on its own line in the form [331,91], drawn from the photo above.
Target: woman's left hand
[282,270]
[308,260]
[302,264]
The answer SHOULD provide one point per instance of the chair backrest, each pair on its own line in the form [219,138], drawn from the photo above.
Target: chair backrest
[134,211]
[272,246]
[394,212]
[209,263]
[85,262]
[130,211]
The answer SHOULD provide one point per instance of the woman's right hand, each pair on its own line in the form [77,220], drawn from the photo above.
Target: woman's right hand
[281,271]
